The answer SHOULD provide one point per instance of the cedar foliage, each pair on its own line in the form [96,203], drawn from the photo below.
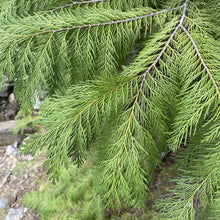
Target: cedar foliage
[132,79]
[73,197]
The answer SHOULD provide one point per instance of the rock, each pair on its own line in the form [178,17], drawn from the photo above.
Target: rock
[5,90]
[8,104]
[15,145]
[15,214]
[18,174]
[11,108]
[37,104]
[6,133]
[11,150]
[3,106]
[6,201]
[11,98]
[7,136]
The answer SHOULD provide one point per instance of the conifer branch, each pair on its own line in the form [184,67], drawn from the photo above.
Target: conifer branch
[167,43]
[197,178]
[124,134]
[192,196]
[101,97]
[202,61]
[97,24]
[73,4]
[116,22]
[158,57]
[160,100]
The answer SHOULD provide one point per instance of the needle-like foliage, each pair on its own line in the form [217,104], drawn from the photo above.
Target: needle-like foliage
[131,79]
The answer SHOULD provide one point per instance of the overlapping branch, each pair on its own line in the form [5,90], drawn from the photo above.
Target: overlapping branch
[73,4]
[117,22]
[167,43]
[102,24]
[157,59]
[202,60]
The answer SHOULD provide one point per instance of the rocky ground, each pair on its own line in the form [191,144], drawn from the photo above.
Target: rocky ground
[18,173]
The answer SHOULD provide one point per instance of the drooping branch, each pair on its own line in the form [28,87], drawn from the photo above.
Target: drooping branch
[72,4]
[118,21]
[98,24]
[167,44]
[153,64]
[102,96]
[193,194]
[202,61]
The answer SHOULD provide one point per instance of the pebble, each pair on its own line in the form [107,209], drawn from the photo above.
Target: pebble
[5,90]
[11,98]
[37,104]
[6,201]
[15,214]
[11,150]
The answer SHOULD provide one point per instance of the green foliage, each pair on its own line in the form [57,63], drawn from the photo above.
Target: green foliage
[71,198]
[196,193]
[132,105]
[75,197]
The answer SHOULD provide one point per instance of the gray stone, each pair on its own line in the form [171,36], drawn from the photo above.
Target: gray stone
[11,98]
[6,133]
[7,136]
[6,201]
[15,214]
[11,150]
[5,90]
[37,104]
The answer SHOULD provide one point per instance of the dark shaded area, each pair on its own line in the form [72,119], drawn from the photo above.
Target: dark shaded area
[8,104]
